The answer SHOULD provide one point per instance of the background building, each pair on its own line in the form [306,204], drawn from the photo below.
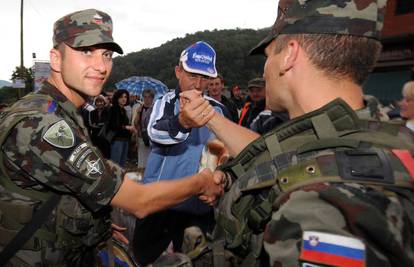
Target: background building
[396,63]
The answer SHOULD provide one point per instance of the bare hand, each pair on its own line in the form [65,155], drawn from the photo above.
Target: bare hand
[213,187]
[195,111]
[218,149]
[131,128]
[117,233]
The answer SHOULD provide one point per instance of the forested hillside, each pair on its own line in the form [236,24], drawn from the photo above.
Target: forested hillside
[233,62]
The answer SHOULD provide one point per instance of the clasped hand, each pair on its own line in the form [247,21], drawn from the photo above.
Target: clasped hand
[195,110]
[214,186]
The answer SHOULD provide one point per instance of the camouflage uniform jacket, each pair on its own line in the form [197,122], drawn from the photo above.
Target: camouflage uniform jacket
[50,149]
[326,207]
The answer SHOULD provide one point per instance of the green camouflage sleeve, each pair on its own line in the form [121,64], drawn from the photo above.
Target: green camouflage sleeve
[56,153]
[342,225]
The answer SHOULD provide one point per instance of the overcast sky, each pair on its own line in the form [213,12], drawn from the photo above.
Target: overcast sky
[138,24]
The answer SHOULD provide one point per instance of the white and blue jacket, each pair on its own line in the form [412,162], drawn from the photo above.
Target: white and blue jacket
[175,150]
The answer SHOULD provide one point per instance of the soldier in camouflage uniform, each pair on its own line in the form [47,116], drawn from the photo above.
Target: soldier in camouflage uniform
[50,167]
[332,187]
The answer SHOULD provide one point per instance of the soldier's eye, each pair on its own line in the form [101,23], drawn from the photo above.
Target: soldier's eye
[108,55]
[87,52]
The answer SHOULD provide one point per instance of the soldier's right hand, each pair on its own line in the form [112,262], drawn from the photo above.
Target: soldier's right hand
[212,186]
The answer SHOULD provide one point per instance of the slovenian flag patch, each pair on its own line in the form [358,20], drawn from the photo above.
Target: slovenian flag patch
[333,250]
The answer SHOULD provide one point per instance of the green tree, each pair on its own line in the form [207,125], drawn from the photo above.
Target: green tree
[233,60]
[27,75]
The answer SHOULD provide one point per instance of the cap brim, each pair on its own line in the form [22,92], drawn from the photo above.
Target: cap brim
[199,71]
[115,47]
[111,44]
[260,47]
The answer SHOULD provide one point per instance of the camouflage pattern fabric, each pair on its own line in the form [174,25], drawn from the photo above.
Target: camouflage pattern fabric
[381,219]
[50,150]
[85,28]
[311,204]
[172,260]
[353,17]
[194,242]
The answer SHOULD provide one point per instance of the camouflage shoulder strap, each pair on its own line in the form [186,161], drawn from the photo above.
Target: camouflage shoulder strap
[290,156]
[334,126]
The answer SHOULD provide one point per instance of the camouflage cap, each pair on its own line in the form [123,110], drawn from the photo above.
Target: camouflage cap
[353,17]
[85,28]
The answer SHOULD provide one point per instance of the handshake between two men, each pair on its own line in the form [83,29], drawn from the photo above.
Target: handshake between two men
[195,112]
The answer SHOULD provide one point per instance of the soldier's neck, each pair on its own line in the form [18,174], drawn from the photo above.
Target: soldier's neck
[318,93]
[72,95]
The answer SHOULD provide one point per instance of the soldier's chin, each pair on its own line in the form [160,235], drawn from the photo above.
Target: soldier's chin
[86,96]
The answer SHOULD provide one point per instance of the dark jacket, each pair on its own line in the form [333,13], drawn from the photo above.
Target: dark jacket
[117,122]
[250,112]
[231,107]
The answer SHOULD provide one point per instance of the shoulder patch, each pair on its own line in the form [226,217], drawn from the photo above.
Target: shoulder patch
[60,135]
[86,161]
[332,250]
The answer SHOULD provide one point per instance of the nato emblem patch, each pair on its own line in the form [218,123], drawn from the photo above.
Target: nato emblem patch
[60,135]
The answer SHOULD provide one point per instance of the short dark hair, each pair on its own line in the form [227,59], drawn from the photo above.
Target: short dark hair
[336,54]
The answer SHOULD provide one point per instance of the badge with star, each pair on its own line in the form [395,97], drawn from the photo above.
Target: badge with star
[87,161]
[90,164]
[60,135]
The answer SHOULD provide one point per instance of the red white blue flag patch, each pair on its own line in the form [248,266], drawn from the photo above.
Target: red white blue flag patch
[332,250]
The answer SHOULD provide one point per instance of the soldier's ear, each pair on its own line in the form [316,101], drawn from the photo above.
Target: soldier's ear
[290,55]
[55,59]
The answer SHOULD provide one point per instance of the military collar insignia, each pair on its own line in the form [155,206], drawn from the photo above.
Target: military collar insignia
[60,135]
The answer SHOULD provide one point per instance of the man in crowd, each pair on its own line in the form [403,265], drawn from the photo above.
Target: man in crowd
[215,91]
[332,187]
[109,93]
[56,188]
[407,104]
[255,102]
[237,96]
[141,123]
[177,147]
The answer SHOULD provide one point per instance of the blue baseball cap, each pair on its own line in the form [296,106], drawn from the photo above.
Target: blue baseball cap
[199,58]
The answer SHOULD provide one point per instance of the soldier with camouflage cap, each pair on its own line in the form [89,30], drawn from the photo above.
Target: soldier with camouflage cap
[52,175]
[332,187]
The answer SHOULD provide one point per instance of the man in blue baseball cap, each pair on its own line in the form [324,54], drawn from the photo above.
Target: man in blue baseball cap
[177,148]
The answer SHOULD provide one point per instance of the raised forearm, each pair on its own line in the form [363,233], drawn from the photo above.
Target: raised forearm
[234,136]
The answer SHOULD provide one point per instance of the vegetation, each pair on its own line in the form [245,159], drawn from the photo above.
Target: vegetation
[232,48]
[233,62]
[8,95]
[25,74]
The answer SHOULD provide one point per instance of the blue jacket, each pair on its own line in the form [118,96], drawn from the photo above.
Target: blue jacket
[176,151]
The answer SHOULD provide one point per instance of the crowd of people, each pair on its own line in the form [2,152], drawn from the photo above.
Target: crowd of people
[300,169]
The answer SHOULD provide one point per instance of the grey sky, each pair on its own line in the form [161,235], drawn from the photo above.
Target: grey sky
[138,24]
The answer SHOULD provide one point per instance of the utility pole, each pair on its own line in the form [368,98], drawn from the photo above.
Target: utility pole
[19,92]
[21,34]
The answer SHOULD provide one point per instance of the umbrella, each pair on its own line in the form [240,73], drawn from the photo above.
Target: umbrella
[135,85]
